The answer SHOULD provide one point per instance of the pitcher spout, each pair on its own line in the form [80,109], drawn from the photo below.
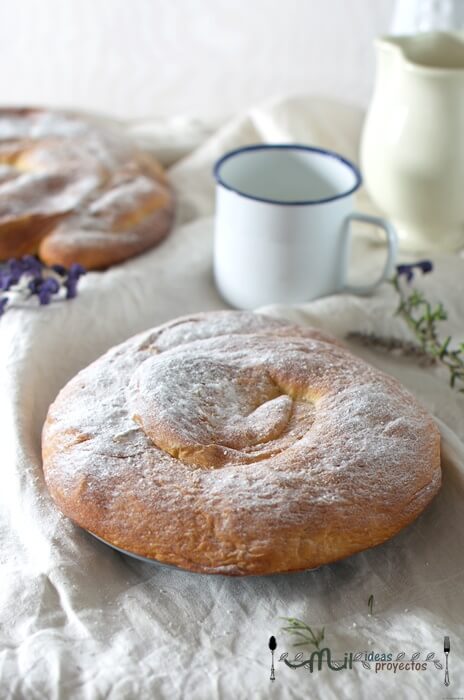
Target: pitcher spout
[429,51]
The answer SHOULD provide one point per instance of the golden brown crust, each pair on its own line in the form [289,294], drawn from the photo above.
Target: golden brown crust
[73,191]
[232,443]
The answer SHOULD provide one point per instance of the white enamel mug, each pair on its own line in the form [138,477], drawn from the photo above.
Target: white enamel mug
[282,226]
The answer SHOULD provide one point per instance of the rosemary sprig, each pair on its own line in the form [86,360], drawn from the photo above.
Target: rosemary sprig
[423,319]
[303,632]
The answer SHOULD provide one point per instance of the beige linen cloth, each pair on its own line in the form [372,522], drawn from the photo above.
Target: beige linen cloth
[81,621]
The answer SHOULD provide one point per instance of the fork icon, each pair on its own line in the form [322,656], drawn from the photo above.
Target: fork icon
[446,649]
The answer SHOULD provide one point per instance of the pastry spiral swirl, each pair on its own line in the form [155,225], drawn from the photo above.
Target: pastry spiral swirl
[75,192]
[229,442]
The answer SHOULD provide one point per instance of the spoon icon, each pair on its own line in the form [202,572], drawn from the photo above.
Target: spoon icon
[272,647]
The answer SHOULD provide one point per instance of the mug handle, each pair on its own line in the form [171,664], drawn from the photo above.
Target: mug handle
[392,242]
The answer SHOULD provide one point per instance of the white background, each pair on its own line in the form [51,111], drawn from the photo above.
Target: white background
[206,58]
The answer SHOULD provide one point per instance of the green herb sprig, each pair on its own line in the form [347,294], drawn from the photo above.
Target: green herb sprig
[303,632]
[423,319]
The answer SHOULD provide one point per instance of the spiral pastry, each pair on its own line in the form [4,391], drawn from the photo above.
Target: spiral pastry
[73,191]
[232,443]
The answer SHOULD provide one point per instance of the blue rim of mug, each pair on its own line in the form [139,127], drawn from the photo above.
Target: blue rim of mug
[291,147]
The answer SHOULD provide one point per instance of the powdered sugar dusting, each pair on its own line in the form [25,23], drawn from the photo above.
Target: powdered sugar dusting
[230,425]
[56,163]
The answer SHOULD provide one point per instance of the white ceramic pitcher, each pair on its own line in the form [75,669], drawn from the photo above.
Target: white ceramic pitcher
[412,149]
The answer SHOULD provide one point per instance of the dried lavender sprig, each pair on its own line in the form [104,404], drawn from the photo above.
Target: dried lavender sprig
[423,319]
[395,346]
[28,276]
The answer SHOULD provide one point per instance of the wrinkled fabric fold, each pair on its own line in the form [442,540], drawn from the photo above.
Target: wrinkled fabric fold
[81,621]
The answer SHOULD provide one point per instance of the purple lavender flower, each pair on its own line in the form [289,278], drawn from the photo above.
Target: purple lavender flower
[34,285]
[44,297]
[50,285]
[9,275]
[28,276]
[71,288]
[425,266]
[408,270]
[75,271]
[60,270]
[46,288]
[6,281]
[31,264]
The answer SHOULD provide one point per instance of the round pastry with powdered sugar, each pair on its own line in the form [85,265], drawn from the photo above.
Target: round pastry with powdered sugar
[75,190]
[233,443]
